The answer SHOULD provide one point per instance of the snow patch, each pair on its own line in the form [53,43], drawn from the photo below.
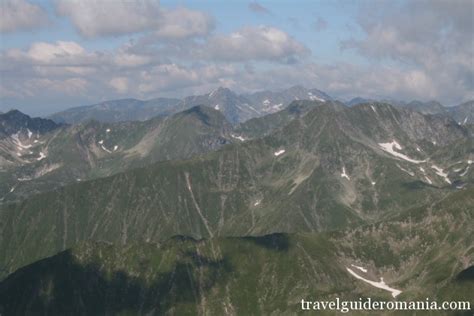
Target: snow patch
[405,170]
[102,146]
[41,156]
[381,285]
[216,107]
[360,268]
[315,98]
[30,133]
[115,147]
[107,130]
[465,171]
[266,102]
[238,137]
[344,174]
[278,153]
[373,182]
[440,172]
[389,147]
[257,202]
[373,109]
[101,142]
[428,180]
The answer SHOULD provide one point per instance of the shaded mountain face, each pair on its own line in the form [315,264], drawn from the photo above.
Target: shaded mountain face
[117,111]
[430,107]
[34,162]
[421,253]
[15,122]
[463,113]
[359,100]
[331,168]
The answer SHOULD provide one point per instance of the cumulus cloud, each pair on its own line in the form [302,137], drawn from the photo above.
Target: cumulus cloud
[113,18]
[255,43]
[431,38]
[120,84]
[21,15]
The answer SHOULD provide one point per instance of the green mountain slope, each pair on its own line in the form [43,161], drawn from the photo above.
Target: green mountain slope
[424,252]
[91,150]
[324,171]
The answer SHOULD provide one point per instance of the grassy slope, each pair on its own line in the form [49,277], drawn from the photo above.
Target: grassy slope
[422,252]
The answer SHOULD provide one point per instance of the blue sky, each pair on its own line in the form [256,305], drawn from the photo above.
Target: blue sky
[63,53]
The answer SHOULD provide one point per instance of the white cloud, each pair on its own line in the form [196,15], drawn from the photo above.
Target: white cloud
[255,43]
[182,23]
[46,52]
[71,86]
[113,18]
[432,39]
[21,15]
[120,84]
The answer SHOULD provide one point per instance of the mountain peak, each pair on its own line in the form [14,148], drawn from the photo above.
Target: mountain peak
[221,91]
[15,120]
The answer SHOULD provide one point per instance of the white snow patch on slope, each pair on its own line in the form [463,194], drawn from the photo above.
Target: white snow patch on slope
[360,268]
[313,97]
[41,156]
[440,172]
[389,147]
[238,137]
[101,142]
[405,170]
[278,153]
[30,133]
[17,141]
[344,174]
[373,109]
[381,285]
[266,102]
[107,130]
[257,202]
[216,107]
[428,180]
[102,146]
[465,171]
[115,147]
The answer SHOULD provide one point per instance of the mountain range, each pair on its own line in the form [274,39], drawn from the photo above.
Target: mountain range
[229,204]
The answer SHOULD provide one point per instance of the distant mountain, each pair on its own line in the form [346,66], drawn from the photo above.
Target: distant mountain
[463,113]
[430,107]
[331,168]
[117,111]
[33,162]
[14,122]
[359,100]
[236,108]
[273,101]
